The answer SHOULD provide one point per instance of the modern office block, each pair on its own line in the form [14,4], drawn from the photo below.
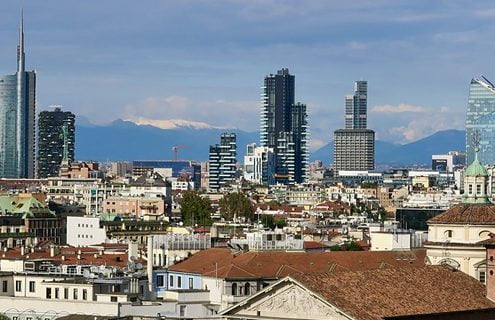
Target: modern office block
[354,146]
[356,107]
[259,165]
[480,121]
[284,127]
[17,118]
[354,149]
[222,162]
[56,140]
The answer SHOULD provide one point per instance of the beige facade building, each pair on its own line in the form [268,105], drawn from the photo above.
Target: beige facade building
[455,237]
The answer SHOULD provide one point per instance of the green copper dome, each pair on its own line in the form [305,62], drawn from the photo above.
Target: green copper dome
[476,169]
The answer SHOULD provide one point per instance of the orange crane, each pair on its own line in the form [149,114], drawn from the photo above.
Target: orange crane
[175,151]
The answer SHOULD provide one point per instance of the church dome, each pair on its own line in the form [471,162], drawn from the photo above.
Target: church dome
[476,169]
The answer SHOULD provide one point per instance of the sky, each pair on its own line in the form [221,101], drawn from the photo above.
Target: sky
[203,62]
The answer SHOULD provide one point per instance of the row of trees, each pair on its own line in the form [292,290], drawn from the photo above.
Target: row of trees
[196,209]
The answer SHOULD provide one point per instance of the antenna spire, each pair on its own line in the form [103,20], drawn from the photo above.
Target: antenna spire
[20,46]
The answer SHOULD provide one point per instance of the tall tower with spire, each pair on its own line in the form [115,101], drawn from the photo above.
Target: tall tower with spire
[17,117]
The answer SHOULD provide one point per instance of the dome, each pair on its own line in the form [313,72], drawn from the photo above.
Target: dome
[476,169]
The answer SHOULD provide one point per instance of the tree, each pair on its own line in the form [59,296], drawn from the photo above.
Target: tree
[236,205]
[195,209]
[348,246]
[271,222]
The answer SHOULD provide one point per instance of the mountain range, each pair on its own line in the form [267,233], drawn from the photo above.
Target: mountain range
[126,140]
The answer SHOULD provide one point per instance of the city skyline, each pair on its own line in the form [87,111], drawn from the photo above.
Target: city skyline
[110,54]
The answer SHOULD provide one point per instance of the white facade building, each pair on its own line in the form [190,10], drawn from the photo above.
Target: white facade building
[84,231]
[259,164]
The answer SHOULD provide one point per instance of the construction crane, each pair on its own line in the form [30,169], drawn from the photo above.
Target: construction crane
[175,151]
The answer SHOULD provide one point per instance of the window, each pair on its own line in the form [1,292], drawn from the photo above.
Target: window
[247,289]
[482,276]
[66,293]
[74,295]
[32,286]
[18,285]
[478,188]
[56,293]
[191,283]
[448,234]
[29,318]
[179,282]
[159,281]
[234,289]
[182,311]
[5,286]
[113,299]
[470,187]
[48,293]
[85,294]
[171,282]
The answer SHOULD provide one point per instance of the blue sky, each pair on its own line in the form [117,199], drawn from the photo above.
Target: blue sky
[152,61]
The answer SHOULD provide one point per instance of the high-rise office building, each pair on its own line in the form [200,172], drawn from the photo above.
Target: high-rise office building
[222,162]
[480,121]
[284,127]
[17,118]
[56,138]
[354,146]
[356,107]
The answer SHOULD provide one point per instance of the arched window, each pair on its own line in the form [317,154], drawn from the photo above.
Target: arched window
[448,234]
[234,289]
[247,289]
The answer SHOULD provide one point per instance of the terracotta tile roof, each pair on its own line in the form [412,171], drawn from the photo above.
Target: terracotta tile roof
[71,255]
[314,245]
[276,264]
[376,294]
[483,214]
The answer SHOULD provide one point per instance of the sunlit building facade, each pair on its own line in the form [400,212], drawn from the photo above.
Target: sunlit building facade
[480,121]
[17,119]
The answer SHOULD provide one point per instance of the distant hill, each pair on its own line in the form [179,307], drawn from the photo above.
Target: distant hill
[414,153]
[125,140]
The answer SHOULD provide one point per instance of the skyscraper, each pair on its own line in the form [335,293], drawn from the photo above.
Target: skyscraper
[17,118]
[354,146]
[480,121]
[222,161]
[56,137]
[356,107]
[284,127]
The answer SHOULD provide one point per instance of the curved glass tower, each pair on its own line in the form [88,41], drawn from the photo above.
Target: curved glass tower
[480,121]
[17,119]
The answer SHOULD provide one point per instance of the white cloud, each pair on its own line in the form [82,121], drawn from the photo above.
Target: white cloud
[407,123]
[402,107]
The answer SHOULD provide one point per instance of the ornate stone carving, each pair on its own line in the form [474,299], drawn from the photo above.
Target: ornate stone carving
[292,301]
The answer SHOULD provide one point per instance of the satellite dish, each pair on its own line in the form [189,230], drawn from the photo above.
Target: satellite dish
[139,266]
[86,273]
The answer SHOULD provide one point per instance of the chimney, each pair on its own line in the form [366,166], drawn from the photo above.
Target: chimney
[52,251]
[23,250]
[78,257]
[63,258]
[490,267]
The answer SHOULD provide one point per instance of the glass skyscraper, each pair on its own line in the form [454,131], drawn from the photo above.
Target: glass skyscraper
[284,127]
[17,118]
[356,107]
[480,121]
